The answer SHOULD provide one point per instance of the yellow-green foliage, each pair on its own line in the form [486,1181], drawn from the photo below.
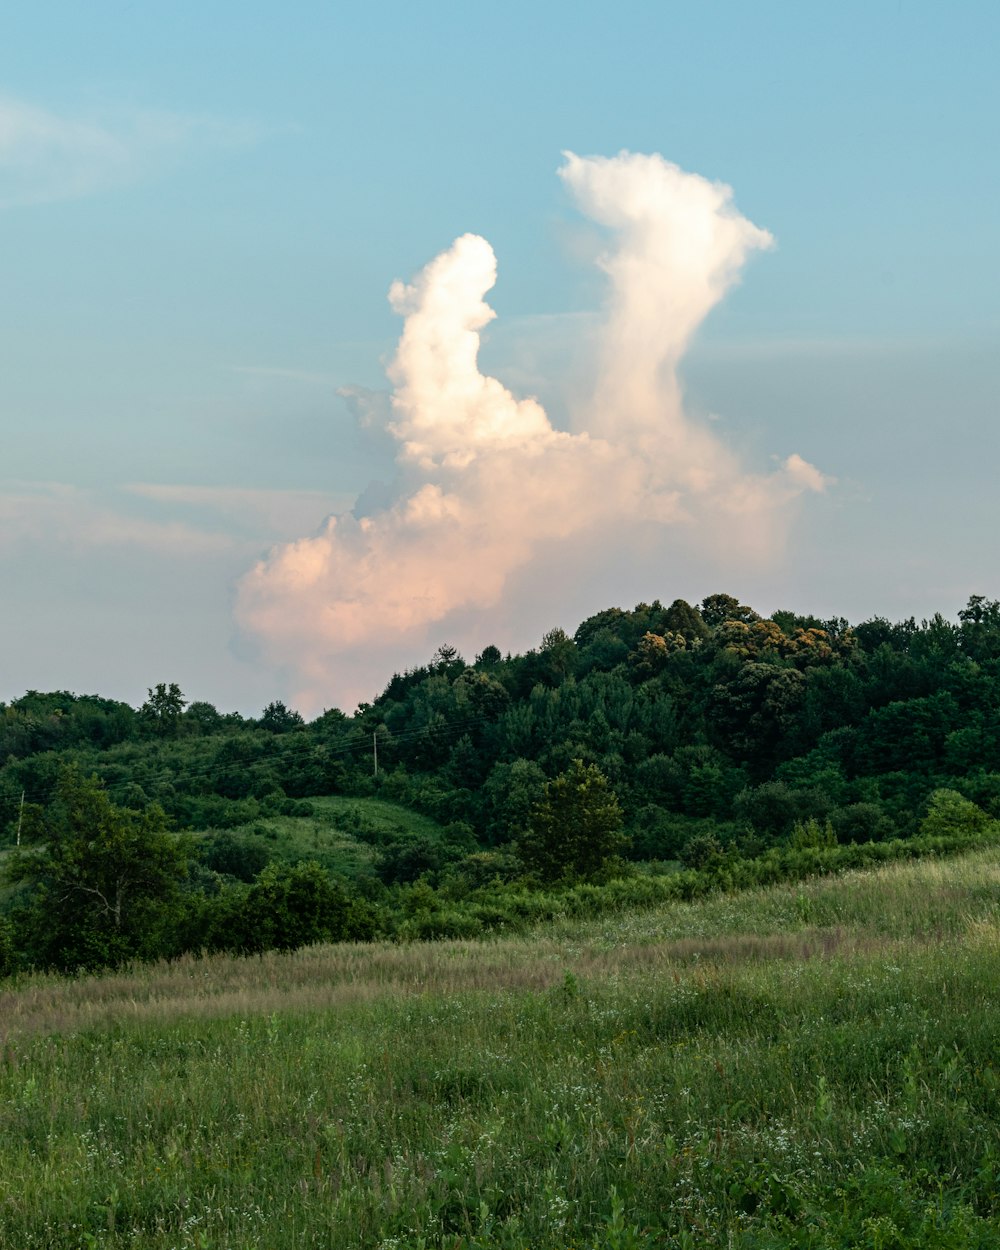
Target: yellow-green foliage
[810,1065]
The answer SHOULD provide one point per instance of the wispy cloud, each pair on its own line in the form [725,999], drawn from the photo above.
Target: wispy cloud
[266,514]
[779,347]
[288,375]
[38,515]
[47,156]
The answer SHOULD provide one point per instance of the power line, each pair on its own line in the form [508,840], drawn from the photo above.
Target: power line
[352,745]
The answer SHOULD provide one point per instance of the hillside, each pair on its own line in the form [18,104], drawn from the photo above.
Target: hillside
[655,740]
[803,1066]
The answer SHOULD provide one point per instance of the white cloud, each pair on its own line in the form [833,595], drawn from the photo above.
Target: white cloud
[488,488]
[801,471]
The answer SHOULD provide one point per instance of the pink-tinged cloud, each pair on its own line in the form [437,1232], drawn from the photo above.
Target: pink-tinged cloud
[488,488]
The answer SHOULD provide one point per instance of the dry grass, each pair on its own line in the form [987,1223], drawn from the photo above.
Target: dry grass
[860,913]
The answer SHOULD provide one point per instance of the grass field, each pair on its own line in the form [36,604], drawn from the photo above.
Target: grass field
[805,1066]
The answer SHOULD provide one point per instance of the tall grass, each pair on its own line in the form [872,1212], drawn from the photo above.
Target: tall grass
[810,1065]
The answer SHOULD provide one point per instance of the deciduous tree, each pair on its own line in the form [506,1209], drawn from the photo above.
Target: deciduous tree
[161,713]
[105,885]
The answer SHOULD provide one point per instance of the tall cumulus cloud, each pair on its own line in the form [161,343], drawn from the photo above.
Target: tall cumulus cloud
[488,490]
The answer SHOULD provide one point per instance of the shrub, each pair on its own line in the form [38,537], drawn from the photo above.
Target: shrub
[950,813]
[291,906]
[235,856]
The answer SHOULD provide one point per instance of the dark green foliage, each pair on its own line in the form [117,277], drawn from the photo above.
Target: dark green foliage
[202,718]
[752,713]
[404,861]
[862,822]
[296,905]
[657,834]
[770,809]
[605,650]
[682,618]
[706,721]
[236,856]
[717,609]
[60,720]
[161,713]
[701,850]
[279,719]
[8,948]
[104,888]
[510,793]
[979,631]
[576,827]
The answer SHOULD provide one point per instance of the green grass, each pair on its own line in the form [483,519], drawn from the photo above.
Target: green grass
[376,814]
[811,1065]
[341,834]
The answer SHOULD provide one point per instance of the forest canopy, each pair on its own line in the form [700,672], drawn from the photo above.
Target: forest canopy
[670,738]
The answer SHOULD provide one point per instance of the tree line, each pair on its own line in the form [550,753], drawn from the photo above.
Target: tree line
[676,737]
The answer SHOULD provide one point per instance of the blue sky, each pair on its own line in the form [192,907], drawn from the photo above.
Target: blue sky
[202,209]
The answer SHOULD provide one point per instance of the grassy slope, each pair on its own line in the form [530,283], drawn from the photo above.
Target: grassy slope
[803,1066]
[340,832]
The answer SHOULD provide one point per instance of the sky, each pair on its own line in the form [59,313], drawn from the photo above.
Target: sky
[329,335]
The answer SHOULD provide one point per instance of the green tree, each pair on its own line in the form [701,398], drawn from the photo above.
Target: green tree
[236,856]
[446,659]
[752,711]
[161,713]
[575,829]
[682,618]
[479,697]
[979,631]
[202,718]
[717,609]
[559,652]
[279,719]
[104,887]
[510,792]
[650,656]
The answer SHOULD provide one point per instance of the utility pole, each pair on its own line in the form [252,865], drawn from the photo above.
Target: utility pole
[375,750]
[20,817]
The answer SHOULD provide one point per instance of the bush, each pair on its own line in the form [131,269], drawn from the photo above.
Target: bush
[235,856]
[862,822]
[700,850]
[407,859]
[951,814]
[297,905]
[811,833]
[8,953]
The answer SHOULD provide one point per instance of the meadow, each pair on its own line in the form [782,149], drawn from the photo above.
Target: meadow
[807,1065]
[340,832]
